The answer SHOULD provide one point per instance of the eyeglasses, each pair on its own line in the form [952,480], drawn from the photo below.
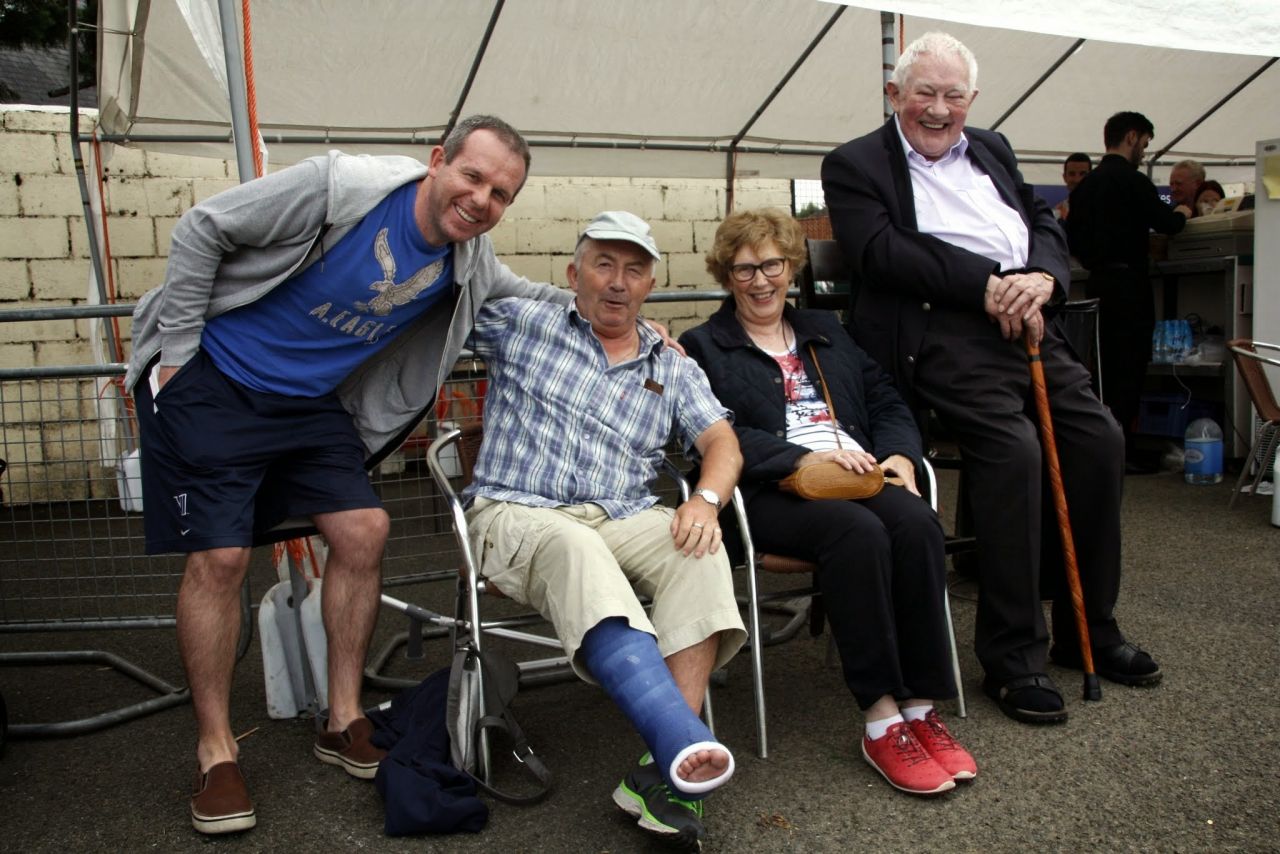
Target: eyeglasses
[746,272]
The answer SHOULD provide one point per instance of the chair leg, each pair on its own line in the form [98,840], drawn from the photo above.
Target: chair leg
[1272,441]
[1244,472]
[1268,442]
[757,656]
[955,656]
[707,715]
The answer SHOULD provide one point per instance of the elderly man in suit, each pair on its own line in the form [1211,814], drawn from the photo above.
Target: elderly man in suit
[956,262]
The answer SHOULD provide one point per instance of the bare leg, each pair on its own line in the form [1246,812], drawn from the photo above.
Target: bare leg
[208,622]
[885,707]
[691,669]
[352,583]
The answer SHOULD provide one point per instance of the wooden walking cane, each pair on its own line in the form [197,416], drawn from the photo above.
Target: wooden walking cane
[1092,690]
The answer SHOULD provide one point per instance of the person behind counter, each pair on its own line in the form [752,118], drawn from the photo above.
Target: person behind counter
[1207,198]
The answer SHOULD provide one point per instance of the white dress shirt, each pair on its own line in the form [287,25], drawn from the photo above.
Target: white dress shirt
[957,202]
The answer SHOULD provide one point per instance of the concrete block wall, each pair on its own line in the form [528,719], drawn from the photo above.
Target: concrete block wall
[45,259]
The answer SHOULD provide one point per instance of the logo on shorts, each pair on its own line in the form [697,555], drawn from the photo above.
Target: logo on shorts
[181,499]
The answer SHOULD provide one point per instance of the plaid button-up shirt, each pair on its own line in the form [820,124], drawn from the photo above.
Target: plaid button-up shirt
[562,426]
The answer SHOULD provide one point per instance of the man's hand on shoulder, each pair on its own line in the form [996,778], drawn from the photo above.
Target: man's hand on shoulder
[667,340]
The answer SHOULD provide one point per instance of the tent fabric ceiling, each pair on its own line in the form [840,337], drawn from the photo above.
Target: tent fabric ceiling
[656,88]
[1224,26]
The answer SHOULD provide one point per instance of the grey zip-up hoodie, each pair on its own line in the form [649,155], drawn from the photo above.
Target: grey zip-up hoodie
[237,246]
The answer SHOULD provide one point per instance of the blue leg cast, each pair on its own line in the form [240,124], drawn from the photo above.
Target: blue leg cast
[627,664]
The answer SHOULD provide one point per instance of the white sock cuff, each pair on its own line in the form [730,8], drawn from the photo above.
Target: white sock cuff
[877,729]
[917,712]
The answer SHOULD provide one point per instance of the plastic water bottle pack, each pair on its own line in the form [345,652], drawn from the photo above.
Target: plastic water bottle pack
[1171,341]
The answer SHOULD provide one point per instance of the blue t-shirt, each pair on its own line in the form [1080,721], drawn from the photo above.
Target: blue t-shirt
[310,332]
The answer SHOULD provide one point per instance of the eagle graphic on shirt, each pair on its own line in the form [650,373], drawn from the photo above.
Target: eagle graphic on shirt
[390,295]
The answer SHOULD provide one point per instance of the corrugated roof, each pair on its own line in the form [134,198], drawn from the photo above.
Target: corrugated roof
[28,75]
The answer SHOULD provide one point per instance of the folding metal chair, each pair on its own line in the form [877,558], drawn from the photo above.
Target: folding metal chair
[472,586]
[1078,320]
[1249,363]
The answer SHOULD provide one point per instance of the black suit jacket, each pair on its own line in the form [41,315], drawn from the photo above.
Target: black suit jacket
[901,275]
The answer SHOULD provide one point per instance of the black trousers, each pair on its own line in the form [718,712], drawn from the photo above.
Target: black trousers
[1126,319]
[882,576]
[979,386]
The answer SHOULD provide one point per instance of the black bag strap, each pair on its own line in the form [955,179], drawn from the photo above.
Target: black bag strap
[835,425]
[501,681]
[523,753]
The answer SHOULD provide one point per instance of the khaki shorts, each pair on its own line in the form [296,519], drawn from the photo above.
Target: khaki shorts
[576,567]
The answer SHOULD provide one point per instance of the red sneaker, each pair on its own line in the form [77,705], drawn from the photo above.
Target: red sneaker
[903,761]
[942,746]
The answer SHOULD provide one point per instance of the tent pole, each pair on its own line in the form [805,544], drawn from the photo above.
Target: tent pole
[235,85]
[90,221]
[1209,112]
[1079,43]
[730,168]
[475,68]
[889,57]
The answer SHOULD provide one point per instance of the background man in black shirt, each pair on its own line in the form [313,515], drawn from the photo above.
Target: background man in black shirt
[1112,211]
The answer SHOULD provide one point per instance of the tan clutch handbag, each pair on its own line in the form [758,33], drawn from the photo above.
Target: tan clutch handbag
[830,480]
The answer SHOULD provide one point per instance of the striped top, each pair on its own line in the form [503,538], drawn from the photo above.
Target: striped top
[809,420]
[563,426]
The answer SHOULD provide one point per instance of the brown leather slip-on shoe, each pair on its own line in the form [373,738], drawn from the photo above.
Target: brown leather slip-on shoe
[220,803]
[350,749]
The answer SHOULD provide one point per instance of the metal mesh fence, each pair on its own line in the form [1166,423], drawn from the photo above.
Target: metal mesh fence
[75,551]
[71,502]
[76,554]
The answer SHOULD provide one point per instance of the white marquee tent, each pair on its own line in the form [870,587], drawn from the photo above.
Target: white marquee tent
[667,87]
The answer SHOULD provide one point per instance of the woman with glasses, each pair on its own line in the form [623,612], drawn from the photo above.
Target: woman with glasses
[880,560]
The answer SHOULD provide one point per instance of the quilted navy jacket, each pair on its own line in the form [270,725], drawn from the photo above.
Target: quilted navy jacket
[748,381]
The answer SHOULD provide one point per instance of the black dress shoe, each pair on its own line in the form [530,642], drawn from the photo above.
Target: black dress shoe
[1124,663]
[1030,699]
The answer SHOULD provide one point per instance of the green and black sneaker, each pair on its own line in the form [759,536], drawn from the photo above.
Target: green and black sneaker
[643,795]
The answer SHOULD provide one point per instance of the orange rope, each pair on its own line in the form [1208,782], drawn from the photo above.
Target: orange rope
[250,90]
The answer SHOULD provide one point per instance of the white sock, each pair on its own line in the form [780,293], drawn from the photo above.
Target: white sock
[916,713]
[877,729]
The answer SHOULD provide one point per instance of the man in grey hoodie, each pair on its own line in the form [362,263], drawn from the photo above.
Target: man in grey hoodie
[304,325]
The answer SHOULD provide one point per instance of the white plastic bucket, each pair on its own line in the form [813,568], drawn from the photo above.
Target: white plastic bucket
[129,481]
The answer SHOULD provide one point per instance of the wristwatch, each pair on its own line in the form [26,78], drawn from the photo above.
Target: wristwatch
[710,497]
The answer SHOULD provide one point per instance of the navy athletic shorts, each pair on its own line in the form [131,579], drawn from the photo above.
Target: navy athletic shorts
[222,463]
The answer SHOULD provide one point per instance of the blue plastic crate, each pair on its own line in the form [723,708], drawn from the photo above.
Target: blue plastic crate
[1169,413]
